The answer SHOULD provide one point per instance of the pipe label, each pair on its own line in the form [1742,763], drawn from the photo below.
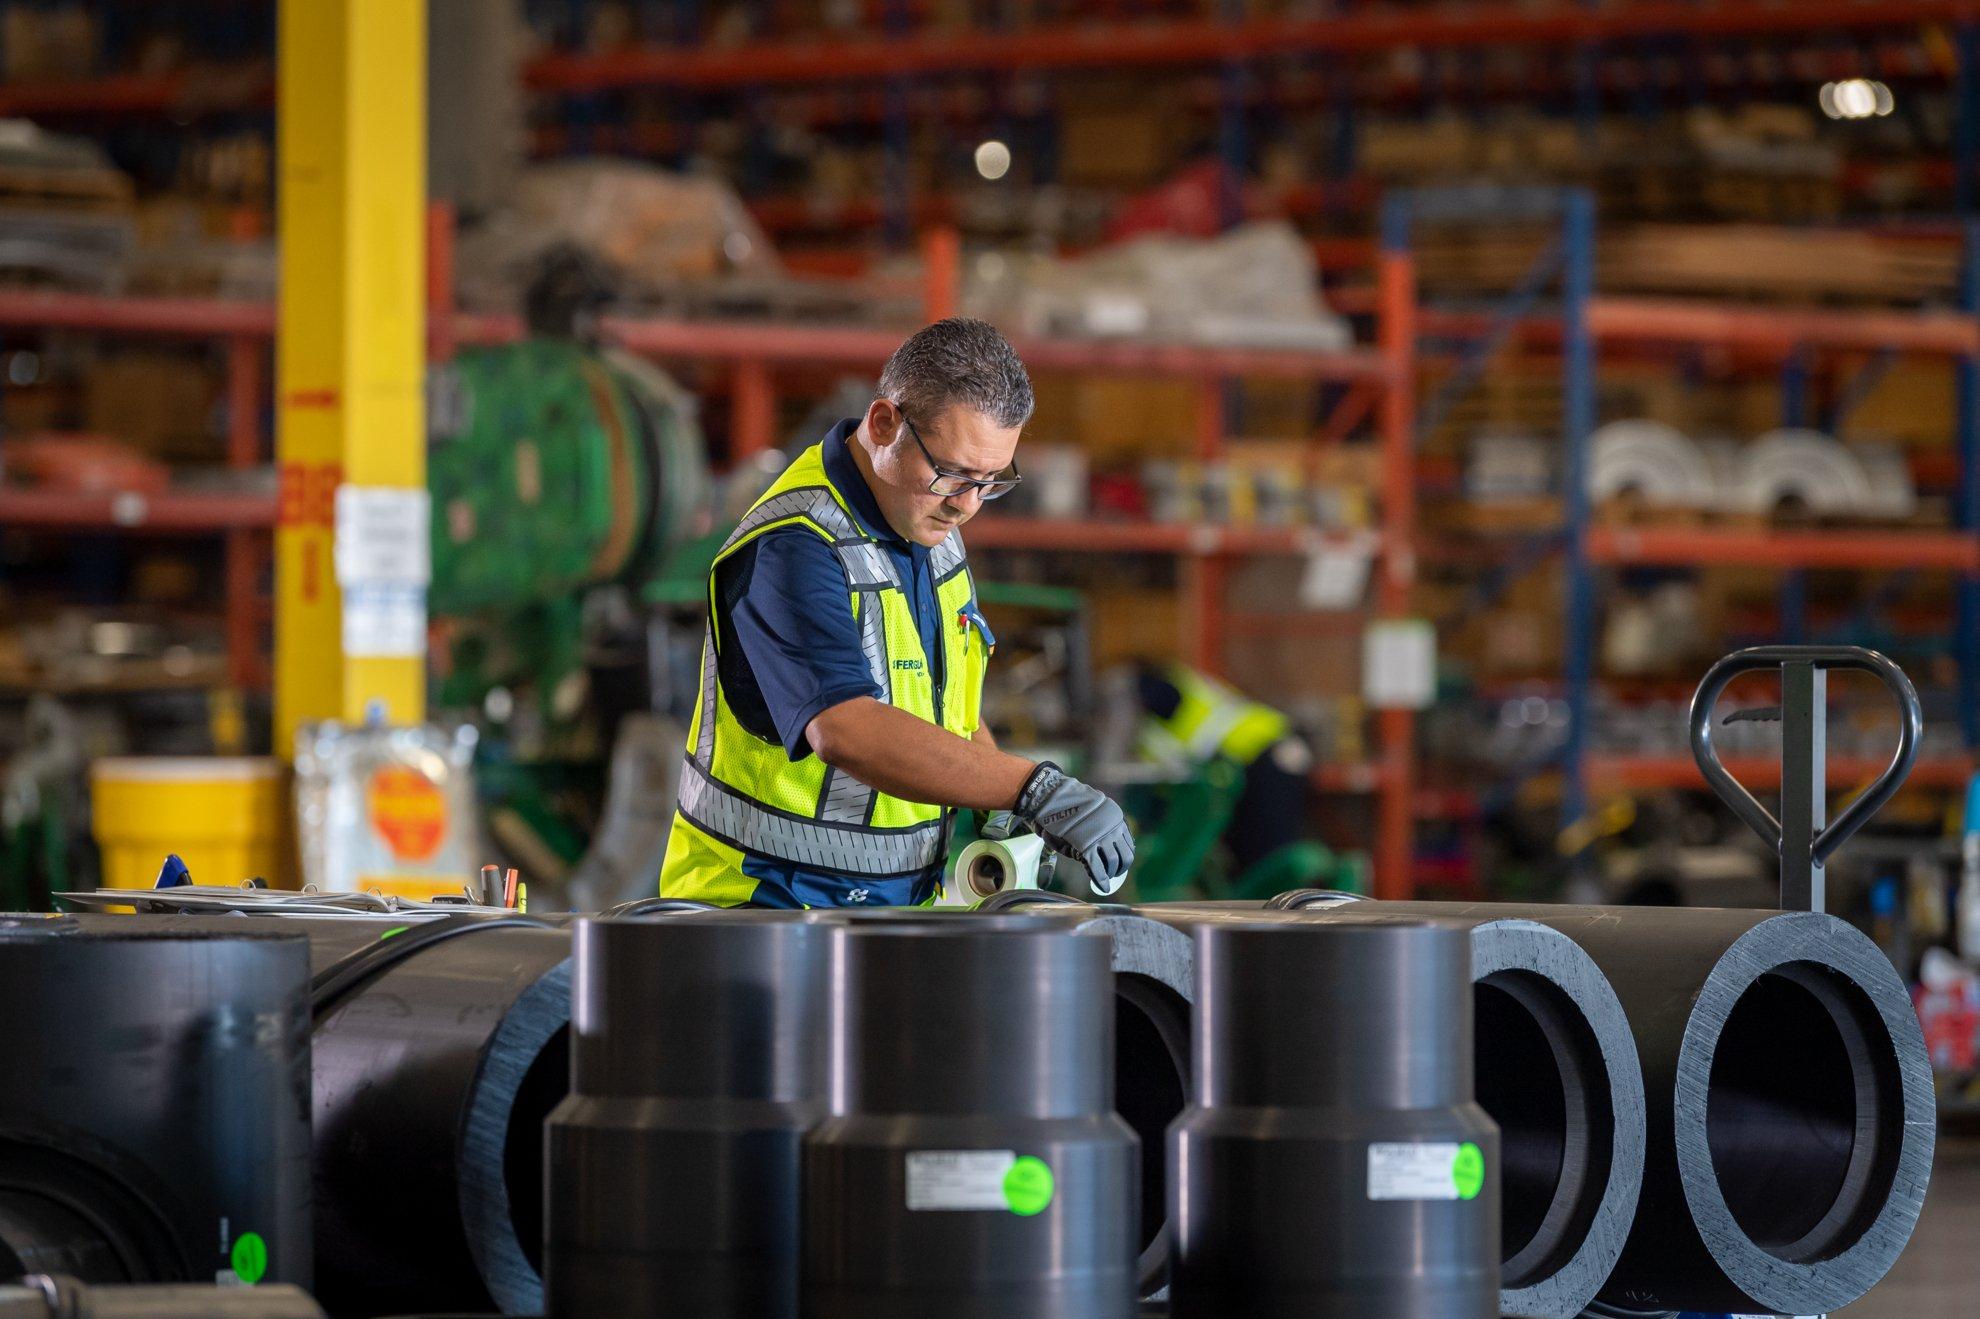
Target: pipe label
[1428,1170]
[978,1179]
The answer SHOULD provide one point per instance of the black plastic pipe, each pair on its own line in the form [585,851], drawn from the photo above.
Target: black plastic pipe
[440,1046]
[973,1165]
[1332,1161]
[697,1066]
[1789,1105]
[154,1120]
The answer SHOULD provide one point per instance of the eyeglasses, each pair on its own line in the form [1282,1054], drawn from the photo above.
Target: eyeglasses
[949,484]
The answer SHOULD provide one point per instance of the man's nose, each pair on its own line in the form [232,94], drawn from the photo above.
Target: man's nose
[969,500]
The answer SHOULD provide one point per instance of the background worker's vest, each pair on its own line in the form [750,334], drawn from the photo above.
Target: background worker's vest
[1210,720]
[743,797]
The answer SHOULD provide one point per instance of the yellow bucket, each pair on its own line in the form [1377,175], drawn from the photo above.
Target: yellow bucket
[223,815]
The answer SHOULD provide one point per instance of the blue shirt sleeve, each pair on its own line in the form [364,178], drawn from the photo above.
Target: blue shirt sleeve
[789,616]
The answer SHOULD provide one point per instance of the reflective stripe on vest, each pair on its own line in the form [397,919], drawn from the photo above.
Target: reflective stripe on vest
[834,848]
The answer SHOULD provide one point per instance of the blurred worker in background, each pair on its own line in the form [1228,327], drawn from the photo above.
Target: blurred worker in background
[1189,720]
[842,673]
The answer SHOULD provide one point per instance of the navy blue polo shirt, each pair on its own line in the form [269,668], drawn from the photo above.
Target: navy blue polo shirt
[789,649]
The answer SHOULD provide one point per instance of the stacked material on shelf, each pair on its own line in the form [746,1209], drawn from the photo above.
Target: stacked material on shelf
[1791,471]
[1253,287]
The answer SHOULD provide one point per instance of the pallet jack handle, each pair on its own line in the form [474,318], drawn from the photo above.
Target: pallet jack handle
[1800,838]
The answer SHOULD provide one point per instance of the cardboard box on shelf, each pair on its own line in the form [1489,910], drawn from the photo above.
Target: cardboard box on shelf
[160,402]
[1121,421]
[1135,624]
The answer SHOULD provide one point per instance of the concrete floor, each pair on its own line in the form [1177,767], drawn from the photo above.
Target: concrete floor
[1938,1276]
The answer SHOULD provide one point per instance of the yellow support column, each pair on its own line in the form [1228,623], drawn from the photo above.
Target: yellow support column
[350,364]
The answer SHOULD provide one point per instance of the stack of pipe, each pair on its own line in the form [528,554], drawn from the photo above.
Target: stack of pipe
[1700,1109]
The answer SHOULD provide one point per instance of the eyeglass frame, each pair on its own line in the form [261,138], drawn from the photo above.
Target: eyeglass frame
[980,484]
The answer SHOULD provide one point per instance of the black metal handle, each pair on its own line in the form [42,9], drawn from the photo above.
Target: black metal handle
[1911,723]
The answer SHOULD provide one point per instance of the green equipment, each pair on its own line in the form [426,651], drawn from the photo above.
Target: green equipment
[571,492]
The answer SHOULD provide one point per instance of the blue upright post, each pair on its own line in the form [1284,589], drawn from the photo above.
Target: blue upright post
[1578,423]
[896,213]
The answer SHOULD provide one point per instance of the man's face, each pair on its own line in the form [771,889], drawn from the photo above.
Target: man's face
[961,441]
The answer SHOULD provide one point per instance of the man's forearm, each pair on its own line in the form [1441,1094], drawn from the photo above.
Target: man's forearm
[910,758]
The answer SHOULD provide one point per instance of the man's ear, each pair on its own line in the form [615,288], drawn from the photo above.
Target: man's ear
[883,422]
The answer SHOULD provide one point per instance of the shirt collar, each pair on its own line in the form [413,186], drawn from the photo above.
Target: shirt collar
[849,481]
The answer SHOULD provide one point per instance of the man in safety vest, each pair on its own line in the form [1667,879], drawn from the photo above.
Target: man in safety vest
[839,723]
[1190,718]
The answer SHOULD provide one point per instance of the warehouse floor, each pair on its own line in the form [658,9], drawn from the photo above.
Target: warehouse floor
[1938,1276]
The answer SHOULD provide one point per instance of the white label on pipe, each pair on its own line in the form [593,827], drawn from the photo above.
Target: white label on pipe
[958,1179]
[1412,1171]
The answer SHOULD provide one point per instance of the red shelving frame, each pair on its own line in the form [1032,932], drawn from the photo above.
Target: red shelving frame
[245,521]
[1124,44]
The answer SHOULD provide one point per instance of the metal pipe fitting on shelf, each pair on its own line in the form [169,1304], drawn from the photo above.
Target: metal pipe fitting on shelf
[116,1166]
[972,1164]
[697,1055]
[1332,1160]
[1789,1105]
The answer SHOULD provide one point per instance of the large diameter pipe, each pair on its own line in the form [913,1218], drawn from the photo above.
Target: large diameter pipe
[435,1066]
[1333,1162]
[973,1165]
[1556,1069]
[155,1124]
[697,1066]
[1789,1102]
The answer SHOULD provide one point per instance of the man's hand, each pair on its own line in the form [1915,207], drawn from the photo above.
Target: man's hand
[1080,822]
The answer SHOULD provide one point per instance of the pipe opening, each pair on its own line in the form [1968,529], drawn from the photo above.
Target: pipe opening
[1541,1077]
[1803,1113]
[1151,1085]
[543,1087]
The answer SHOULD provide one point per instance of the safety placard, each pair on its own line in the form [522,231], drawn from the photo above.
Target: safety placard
[978,1179]
[1424,1170]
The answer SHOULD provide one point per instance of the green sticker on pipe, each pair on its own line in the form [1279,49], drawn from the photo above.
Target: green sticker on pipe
[249,1257]
[1028,1186]
[1468,1171]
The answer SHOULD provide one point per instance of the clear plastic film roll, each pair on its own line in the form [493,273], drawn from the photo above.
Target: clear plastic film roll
[991,865]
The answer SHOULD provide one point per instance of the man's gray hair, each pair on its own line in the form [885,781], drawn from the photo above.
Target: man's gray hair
[958,361]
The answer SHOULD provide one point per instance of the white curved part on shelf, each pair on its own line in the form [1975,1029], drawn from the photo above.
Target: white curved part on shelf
[1656,463]
[1818,471]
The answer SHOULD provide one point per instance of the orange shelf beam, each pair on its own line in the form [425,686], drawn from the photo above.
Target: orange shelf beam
[1198,42]
[213,89]
[176,512]
[191,317]
[824,345]
[1845,772]
[992,531]
[1782,330]
[1682,546]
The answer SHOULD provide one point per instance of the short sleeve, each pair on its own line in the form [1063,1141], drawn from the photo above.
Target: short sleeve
[787,616]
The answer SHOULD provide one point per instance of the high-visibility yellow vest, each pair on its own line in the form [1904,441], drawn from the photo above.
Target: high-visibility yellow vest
[743,797]
[1212,719]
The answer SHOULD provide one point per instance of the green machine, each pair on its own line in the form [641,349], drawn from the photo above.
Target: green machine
[571,490]
[555,469]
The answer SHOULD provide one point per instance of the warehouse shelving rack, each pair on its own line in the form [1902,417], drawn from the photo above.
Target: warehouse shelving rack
[1579,328]
[243,519]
